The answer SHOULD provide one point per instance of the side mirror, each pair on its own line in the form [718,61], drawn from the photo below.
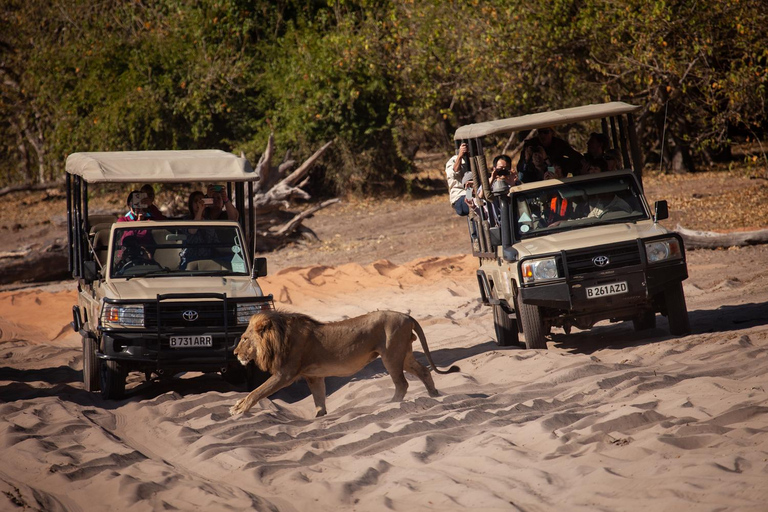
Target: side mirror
[259,267]
[660,210]
[89,271]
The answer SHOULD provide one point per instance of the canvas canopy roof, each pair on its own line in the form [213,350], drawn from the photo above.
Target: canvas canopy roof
[160,166]
[544,119]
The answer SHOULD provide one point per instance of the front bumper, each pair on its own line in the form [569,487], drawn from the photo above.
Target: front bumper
[570,294]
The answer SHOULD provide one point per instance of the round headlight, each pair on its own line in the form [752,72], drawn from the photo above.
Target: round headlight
[657,251]
[546,269]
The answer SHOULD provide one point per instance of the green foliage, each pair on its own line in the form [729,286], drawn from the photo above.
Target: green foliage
[379,78]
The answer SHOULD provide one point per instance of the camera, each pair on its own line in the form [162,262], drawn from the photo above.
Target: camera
[208,201]
[138,200]
[502,172]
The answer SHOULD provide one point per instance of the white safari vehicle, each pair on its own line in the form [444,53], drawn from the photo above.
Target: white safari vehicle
[591,264]
[161,297]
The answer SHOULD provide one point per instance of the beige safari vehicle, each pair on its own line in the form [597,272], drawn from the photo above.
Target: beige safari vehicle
[574,251]
[161,296]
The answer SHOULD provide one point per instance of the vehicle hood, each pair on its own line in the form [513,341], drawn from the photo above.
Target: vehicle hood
[141,288]
[589,237]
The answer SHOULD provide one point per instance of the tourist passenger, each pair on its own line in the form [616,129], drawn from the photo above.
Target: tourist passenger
[459,179]
[597,145]
[153,211]
[612,160]
[198,239]
[219,195]
[534,169]
[140,238]
[556,149]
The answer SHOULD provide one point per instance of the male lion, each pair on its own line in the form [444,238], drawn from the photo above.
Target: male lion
[291,345]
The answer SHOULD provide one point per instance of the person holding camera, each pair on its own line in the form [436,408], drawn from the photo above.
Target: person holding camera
[138,205]
[218,195]
[459,179]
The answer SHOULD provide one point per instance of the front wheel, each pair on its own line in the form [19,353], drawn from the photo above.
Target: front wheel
[533,326]
[506,327]
[90,365]
[113,375]
[677,311]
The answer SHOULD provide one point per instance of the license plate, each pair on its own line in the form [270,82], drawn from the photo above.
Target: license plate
[595,292]
[200,340]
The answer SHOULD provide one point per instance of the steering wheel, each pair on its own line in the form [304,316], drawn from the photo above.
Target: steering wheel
[126,264]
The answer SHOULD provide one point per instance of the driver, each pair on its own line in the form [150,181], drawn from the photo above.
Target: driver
[607,202]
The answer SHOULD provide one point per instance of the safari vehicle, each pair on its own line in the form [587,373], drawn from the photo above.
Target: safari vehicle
[591,264]
[161,297]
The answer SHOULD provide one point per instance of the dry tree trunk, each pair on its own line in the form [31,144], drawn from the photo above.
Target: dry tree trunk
[275,190]
[712,240]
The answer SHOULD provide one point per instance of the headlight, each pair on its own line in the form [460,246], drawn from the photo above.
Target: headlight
[540,270]
[123,316]
[246,311]
[662,250]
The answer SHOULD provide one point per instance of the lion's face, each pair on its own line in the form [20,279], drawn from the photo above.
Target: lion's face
[246,349]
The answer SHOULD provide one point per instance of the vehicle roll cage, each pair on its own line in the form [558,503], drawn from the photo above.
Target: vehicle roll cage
[236,172]
[617,123]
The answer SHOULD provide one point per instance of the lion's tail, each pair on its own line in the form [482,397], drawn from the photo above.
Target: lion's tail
[420,333]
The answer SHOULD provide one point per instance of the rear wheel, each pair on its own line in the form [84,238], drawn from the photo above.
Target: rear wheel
[533,326]
[113,376]
[644,321]
[90,365]
[677,311]
[506,327]
[255,377]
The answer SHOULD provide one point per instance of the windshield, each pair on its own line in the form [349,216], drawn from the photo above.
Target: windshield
[575,205]
[177,251]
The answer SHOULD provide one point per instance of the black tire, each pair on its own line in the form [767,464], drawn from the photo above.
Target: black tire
[644,321]
[255,377]
[533,326]
[235,374]
[90,365]
[506,327]
[113,376]
[677,311]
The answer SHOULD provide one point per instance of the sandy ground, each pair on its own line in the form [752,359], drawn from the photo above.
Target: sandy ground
[606,419]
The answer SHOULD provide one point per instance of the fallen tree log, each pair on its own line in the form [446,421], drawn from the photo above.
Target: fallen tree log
[48,185]
[712,240]
[48,263]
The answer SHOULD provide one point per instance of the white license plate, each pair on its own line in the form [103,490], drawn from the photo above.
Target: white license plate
[595,292]
[200,340]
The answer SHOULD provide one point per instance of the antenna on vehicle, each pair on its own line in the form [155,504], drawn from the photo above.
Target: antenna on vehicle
[663,137]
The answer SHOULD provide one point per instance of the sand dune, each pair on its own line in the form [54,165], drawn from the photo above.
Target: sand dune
[607,419]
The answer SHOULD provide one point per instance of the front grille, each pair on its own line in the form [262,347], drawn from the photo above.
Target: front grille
[620,256]
[210,315]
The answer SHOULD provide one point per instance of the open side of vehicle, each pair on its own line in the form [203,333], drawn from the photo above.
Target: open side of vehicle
[162,297]
[605,257]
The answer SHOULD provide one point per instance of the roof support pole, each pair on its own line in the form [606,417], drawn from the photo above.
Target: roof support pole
[477,176]
[70,240]
[624,145]
[615,136]
[637,155]
[251,222]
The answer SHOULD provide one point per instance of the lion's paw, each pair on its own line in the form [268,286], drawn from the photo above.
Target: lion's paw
[238,408]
